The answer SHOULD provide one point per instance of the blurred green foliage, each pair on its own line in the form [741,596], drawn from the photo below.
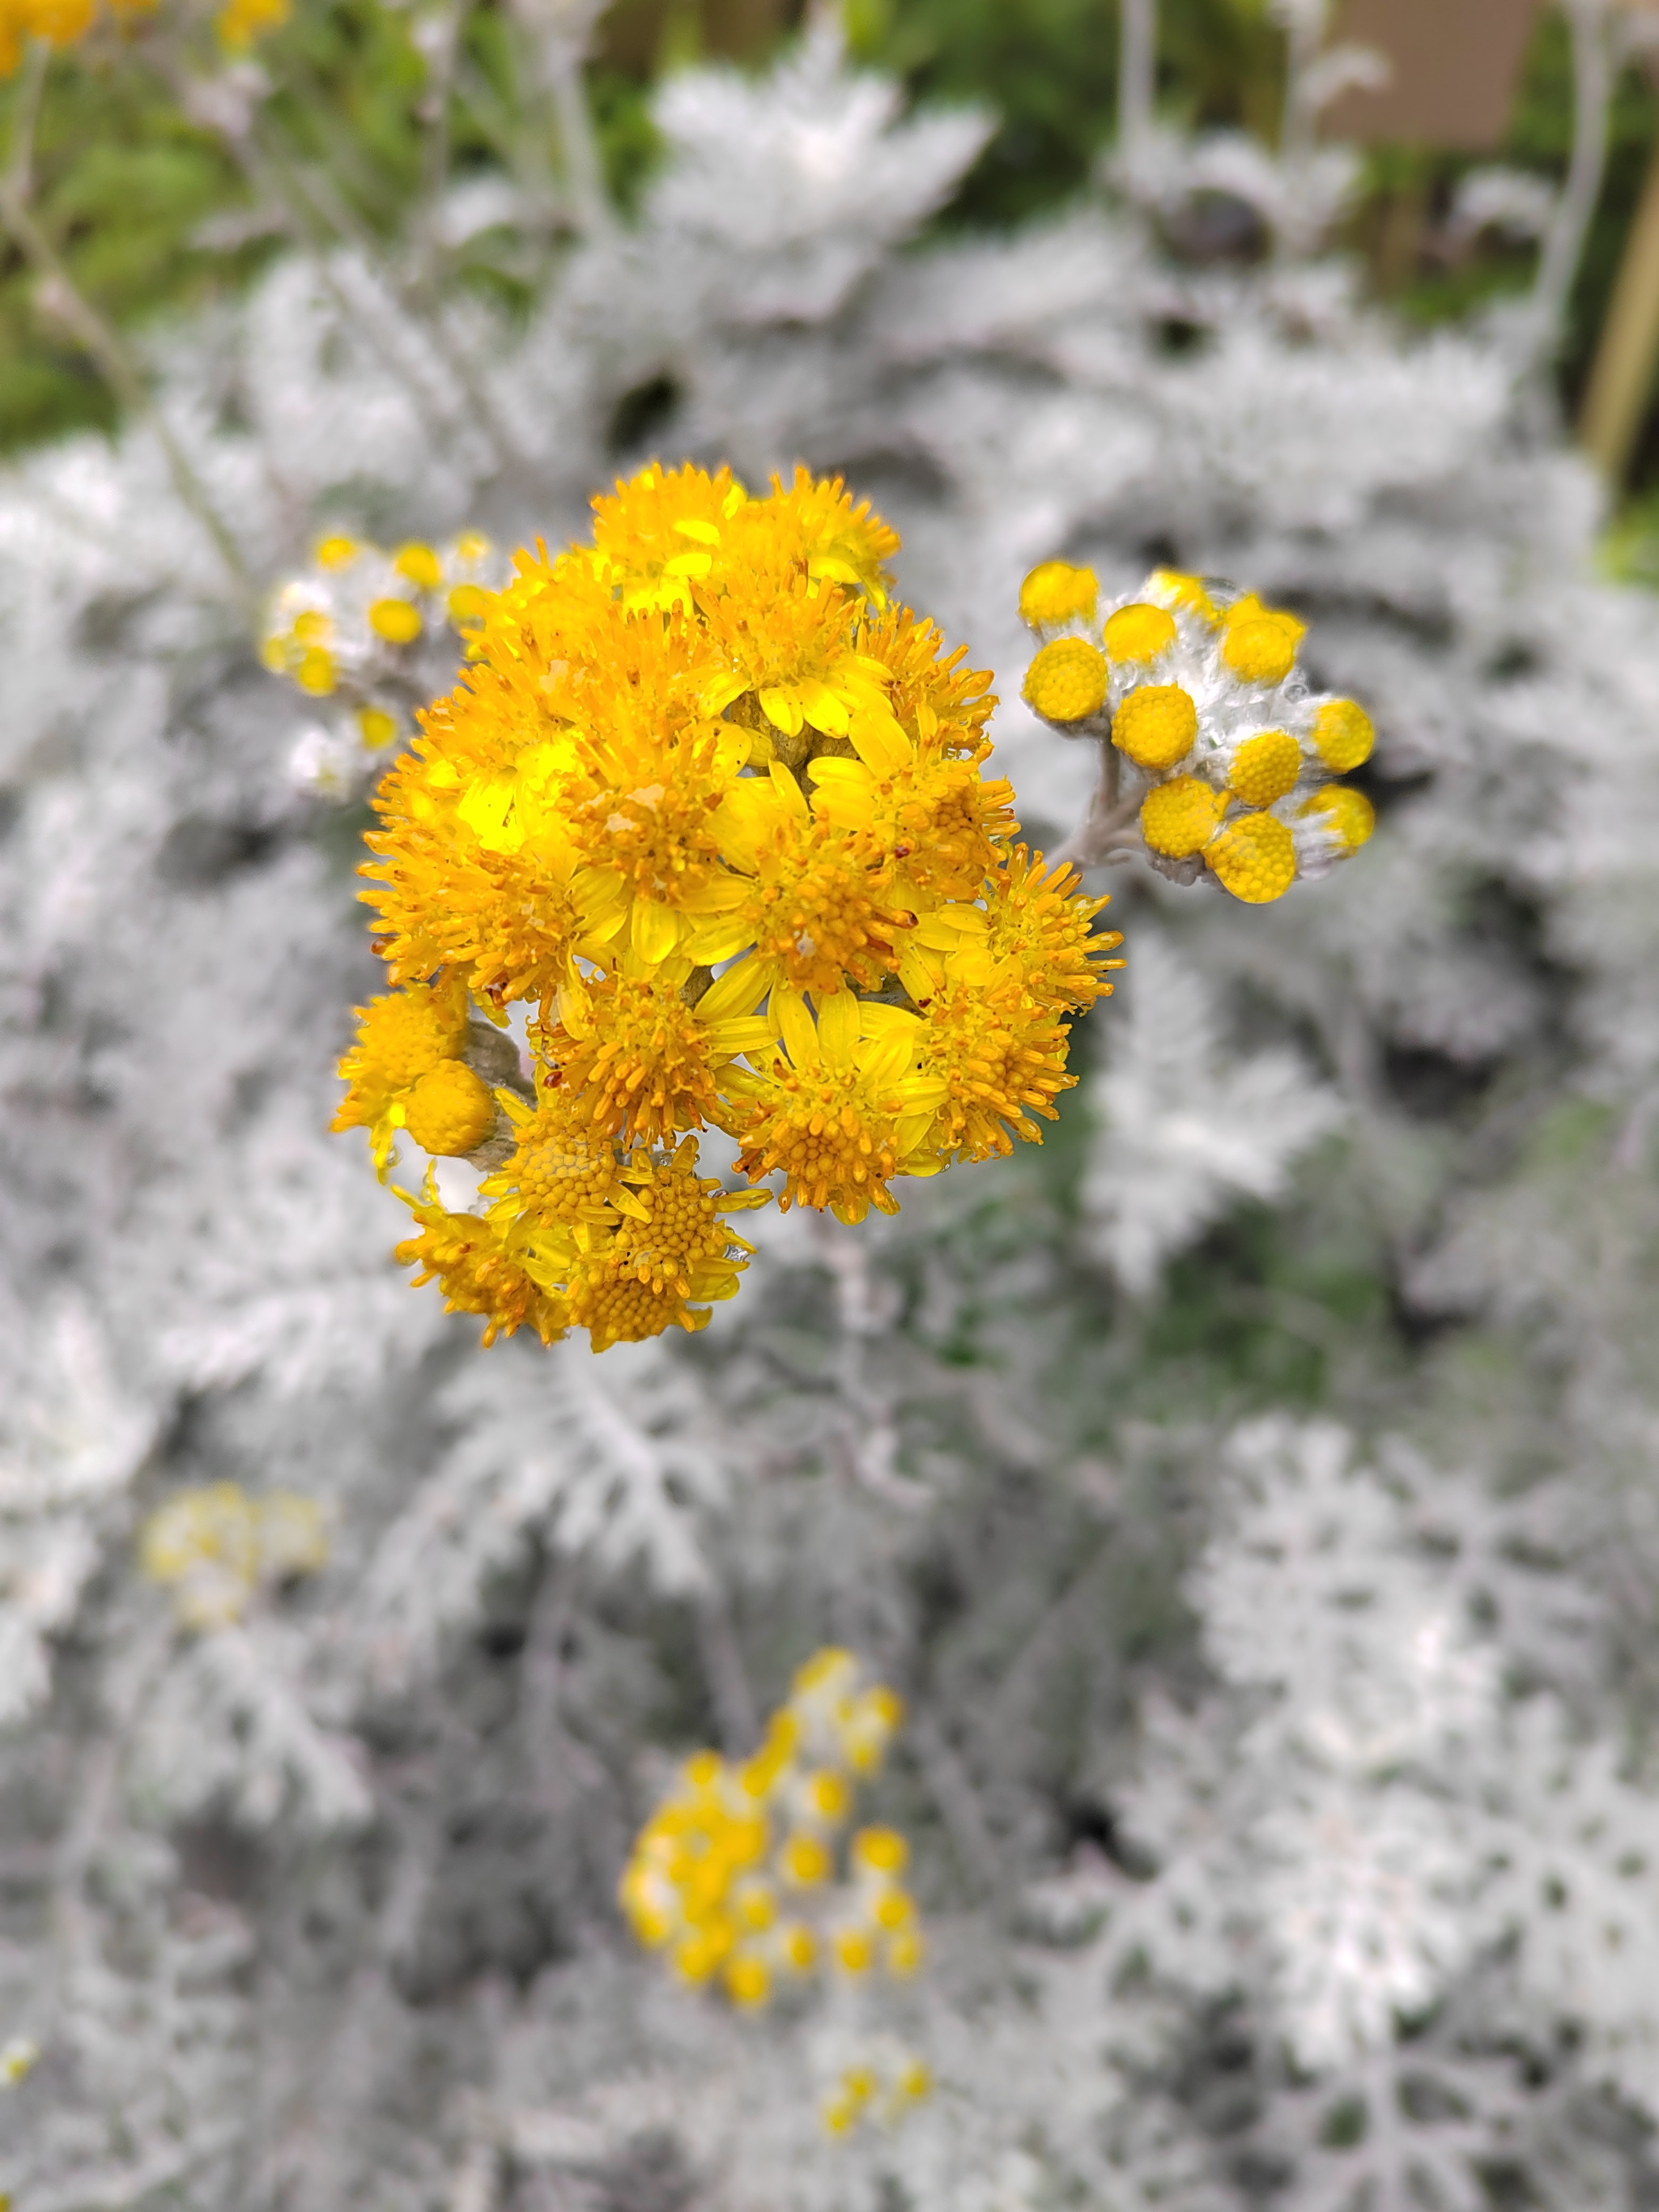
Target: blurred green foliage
[151,216]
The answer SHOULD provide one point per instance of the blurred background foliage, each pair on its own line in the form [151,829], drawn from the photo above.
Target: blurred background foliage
[152,217]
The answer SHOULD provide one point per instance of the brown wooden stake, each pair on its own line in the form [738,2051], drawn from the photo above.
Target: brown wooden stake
[1621,378]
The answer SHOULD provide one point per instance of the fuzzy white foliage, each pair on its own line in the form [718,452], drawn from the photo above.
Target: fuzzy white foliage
[1186,1129]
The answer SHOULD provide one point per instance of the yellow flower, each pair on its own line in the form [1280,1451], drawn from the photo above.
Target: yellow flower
[1056,593]
[882,1850]
[397,621]
[1253,857]
[1156,725]
[1137,634]
[841,1109]
[1067,682]
[1342,734]
[1180,816]
[217,1547]
[477,1272]
[1265,767]
[705,742]
[240,22]
[1345,815]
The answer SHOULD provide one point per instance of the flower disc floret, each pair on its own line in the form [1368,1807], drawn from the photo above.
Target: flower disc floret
[1156,725]
[1259,643]
[1067,682]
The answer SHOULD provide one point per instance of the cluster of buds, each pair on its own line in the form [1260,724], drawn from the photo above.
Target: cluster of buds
[64,23]
[1195,685]
[739,1877]
[216,1548]
[714,810]
[358,629]
[875,2085]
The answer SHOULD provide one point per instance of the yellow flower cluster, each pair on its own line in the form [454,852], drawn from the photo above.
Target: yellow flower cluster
[61,23]
[346,629]
[713,808]
[734,1878]
[18,2055]
[216,1548]
[1197,685]
[877,2085]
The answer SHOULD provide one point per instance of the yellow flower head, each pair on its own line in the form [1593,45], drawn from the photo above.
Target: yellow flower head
[1067,682]
[1253,857]
[1343,735]
[216,1548]
[1345,815]
[1259,643]
[1139,633]
[1156,725]
[1265,767]
[1179,818]
[705,742]
[703,1882]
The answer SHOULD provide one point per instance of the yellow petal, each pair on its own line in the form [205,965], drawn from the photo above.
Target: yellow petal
[655,930]
[880,743]
[824,709]
[795,1025]
[739,991]
[790,795]
[782,708]
[838,1029]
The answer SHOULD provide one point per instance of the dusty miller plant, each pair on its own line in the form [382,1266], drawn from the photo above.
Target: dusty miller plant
[1250,1494]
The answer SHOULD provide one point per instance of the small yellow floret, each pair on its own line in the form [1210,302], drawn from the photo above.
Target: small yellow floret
[1067,682]
[804,1861]
[894,1908]
[840,2115]
[855,1950]
[17,2056]
[905,1952]
[419,565]
[883,1850]
[702,1768]
[336,552]
[828,1795]
[376,727]
[1156,725]
[1055,591]
[916,2080]
[397,621]
[1139,633]
[1179,818]
[1346,813]
[747,1981]
[799,1946]
[698,1954]
[1342,732]
[450,1111]
[472,546]
[1253,857]
[755,1904]
[315,671]
[1265,767]
[1261,642]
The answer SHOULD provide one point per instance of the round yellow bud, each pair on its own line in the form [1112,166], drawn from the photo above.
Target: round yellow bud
[1067,682]
[894,1909]
[313,627]
[450,1111]
[1179,818]
[855,1950]
[916,2080]
[1057,592]
[1184,590]
[840,2115]
[828,1795]
[755,1904]
[1139,633]
[1342,732]
[420,566]
[1265,767]
[376,727]
[401,1037]
[397,621]
[471,545]
[1253,857]
[804,1861]
[702,1768]
[1346,813]
[883,1850]
[338,552]
[905,1952]
[696,1956]
[747,1981]
[315,671]
[1156,725]
[799,1946]
[1260,645]
[468,603]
